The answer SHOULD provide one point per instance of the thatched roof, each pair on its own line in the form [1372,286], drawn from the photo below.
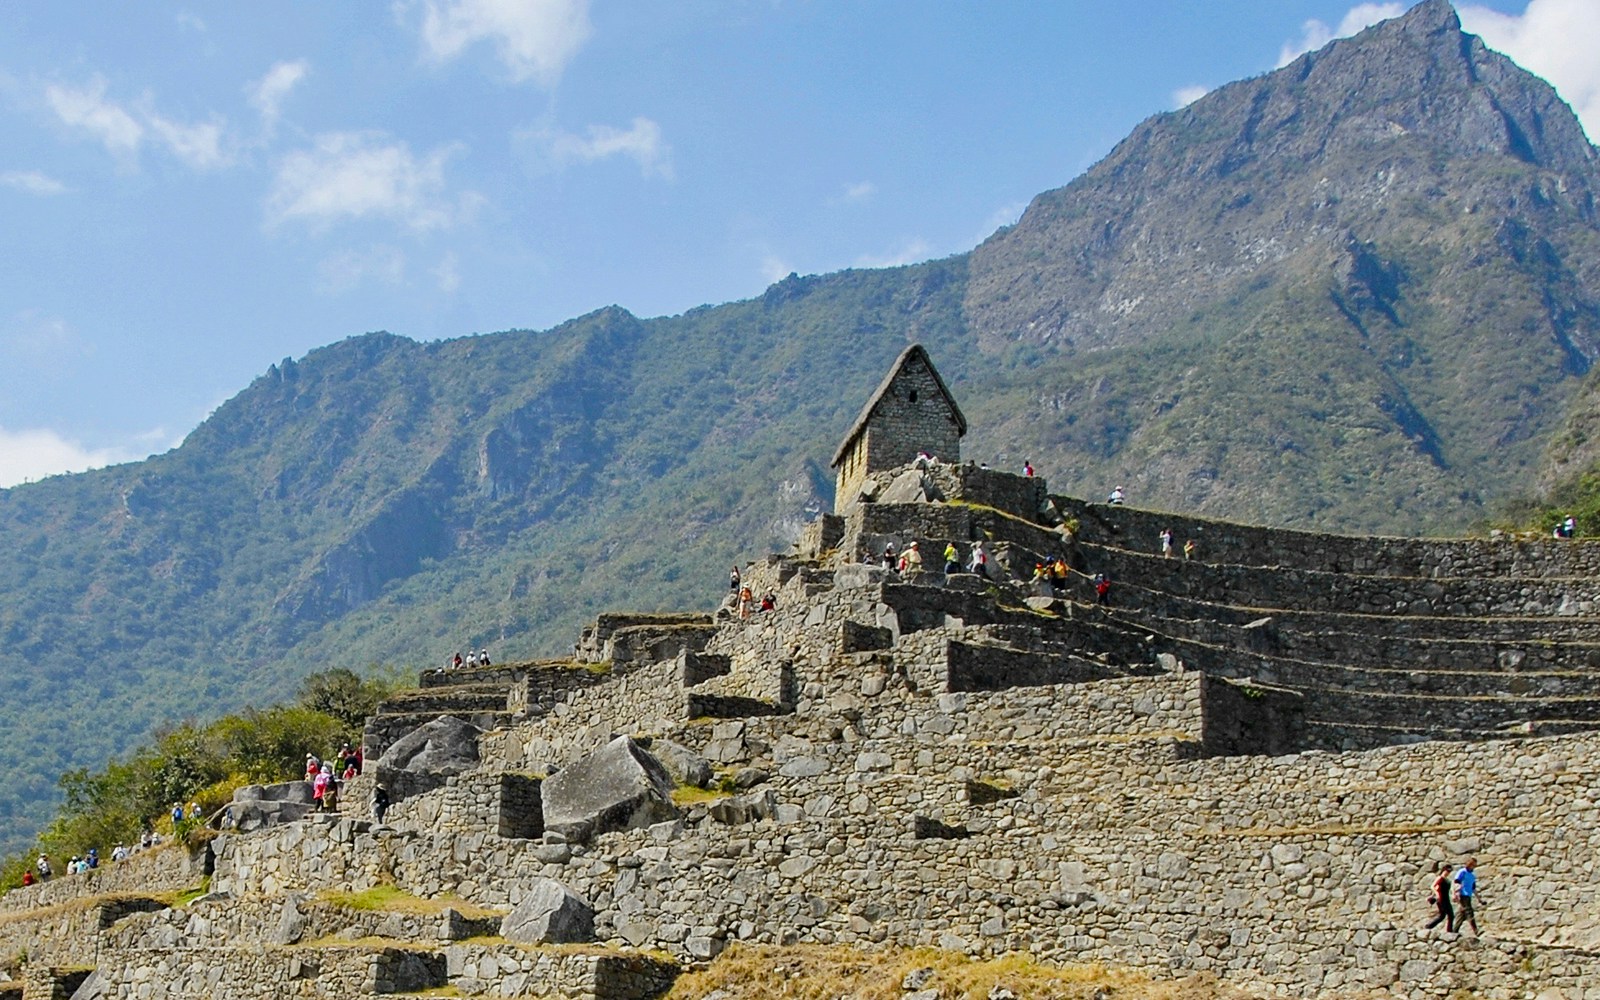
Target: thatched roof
[906,356]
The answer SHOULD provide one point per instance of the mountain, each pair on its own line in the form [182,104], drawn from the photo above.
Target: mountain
[1361,292]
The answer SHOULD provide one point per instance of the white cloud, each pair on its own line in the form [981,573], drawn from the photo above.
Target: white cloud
[1185,96]
[641,143]
[910,253]
[35,338]
[1556,39]
[382,264]
[357,175]
[200,146]
[860,191]
[534,39]
[267,94]
[1316,34]
[32,182]
[36,453]
[448,273]
[122,130]
[89,110]
[774,268]
[1005,215]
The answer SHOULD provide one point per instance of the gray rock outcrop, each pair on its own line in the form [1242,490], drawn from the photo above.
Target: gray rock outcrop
[617,787]
[256,807]
[684,765]
[550,913]
[447,745]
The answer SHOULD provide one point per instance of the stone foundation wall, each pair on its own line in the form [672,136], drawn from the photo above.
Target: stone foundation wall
[297,972]
[69,934]
[645,698]
[169,868]
[1320,591]
[1248,545]
[1078,816]
[502,802]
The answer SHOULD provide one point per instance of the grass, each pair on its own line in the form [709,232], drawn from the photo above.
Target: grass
[392,899]
[689,795]
[816,972]
[188,896]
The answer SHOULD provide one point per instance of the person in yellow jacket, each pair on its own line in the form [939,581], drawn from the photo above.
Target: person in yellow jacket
[952,559]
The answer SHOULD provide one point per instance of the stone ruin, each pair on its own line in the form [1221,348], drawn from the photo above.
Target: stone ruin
[1248,763]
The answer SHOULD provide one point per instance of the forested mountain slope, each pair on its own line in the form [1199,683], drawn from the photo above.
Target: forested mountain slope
[1361,292]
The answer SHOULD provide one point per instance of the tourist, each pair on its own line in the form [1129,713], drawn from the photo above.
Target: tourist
[978,562]
[1439,896]
[483,656]
[1027,468]
[43,864]
[457,661]
[910,561]
[93,860]
[1059,572]
[1102,590]
[320,785]
[745,597]
[769,601]
[952,559]
[27,879]
[888,555]
[733,579]
[1466,891]
[313,765]
[1166,543]
[1188,549]
[380,803]
[1115,497]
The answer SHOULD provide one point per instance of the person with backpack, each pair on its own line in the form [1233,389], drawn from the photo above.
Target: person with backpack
[1102,590]
[1439,896]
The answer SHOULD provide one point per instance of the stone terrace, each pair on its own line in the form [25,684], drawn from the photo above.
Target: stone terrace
[1248,764]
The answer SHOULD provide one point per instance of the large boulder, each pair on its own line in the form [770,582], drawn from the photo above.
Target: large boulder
[256,807]
[684,765]
[550,913]
[618,787]
[447,745]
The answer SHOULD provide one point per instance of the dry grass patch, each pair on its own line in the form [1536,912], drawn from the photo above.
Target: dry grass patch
[816,972]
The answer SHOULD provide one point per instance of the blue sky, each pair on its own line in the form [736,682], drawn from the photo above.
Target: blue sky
[190,193]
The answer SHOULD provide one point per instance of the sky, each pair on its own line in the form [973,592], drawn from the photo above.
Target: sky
[190,193]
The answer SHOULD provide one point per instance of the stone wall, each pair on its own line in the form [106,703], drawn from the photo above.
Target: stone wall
[251,973]
[639,697]
[502,802]
[169,868]
[1250,545]
[68,934]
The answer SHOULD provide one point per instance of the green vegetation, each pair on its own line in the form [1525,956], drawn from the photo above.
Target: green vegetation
[200,763]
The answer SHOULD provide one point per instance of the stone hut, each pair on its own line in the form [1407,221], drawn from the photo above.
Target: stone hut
[912,411]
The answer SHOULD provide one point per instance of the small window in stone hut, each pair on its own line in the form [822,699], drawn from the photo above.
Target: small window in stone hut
[913,395]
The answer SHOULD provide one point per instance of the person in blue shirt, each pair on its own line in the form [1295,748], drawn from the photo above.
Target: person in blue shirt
[1466,891]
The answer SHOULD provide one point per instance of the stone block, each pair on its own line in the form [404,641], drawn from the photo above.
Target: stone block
[618,787]
[550,913]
